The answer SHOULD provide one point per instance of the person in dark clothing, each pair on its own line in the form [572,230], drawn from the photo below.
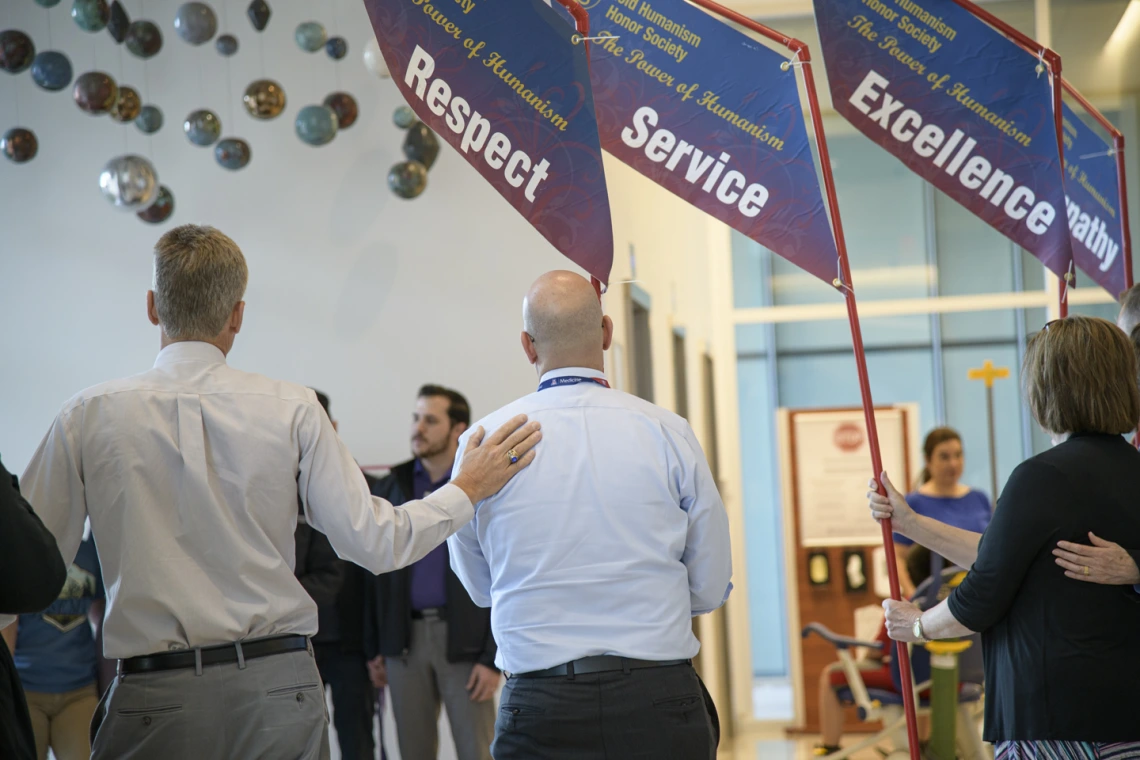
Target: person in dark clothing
[338,589]
[32,573]
[1061,664]
[423,632]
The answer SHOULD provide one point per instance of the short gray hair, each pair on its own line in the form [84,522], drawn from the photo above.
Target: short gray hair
[199,276]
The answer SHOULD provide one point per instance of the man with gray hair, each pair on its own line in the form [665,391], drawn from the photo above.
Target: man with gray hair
[595,560]
[191,474]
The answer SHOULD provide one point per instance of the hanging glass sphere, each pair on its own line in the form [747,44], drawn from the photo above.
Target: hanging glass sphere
[196,23]
[421,144]
[129,183]
[232,153]
[404,117]
[51,70]
[19,145]
[316,125]
[119,22]
[149,120]
[159,211]
[407,179]
[264,99]
[202,127]
[95,92]
[127,106]
[16,51]
[144,39]
[310,36]
[336,48]
[259,13]
[345,108]
[91,15]
[374,59]
[227,45]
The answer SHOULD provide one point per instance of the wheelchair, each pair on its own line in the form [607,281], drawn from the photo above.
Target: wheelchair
[887,706]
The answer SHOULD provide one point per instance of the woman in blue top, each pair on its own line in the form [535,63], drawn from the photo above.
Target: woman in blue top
[942,496]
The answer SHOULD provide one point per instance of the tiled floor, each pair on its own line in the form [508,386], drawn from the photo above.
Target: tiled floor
[774,746]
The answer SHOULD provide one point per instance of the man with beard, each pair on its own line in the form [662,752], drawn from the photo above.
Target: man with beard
[423,632]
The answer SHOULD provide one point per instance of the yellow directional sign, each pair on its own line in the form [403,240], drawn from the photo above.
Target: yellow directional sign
[989,373]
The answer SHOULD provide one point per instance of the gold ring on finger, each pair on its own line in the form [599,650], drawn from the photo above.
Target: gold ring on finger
[514,457]
[1086,570]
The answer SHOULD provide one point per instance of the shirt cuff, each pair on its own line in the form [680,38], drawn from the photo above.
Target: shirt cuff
[723,601]
[453,500]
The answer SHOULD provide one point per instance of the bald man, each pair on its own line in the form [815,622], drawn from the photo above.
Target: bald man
[595,559]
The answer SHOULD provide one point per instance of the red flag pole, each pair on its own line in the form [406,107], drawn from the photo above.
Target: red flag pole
[582,24]
[1126,234]
[844,283]
[1055,73]
[1053,61]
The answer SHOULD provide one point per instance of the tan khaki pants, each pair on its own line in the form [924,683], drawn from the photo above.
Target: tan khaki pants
[62,722]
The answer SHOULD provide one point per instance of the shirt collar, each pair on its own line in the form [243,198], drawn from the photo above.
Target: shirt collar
[572,372]
[419,470]
[190,351]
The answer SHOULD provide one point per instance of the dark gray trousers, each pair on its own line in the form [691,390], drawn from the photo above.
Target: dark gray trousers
[647,714]
[271,709]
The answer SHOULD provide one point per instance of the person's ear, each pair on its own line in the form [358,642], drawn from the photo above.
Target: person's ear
[607,333]
[151,309]
[529,348]
[236,317]
[457,430]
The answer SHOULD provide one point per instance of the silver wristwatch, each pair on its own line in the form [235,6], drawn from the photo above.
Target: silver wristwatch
[919,634]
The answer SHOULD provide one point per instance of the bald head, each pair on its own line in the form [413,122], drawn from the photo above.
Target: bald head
[563,323]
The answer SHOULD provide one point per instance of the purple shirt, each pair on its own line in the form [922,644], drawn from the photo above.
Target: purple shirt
[429,575]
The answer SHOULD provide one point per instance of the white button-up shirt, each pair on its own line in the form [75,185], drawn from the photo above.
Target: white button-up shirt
[608,543]
[190,474]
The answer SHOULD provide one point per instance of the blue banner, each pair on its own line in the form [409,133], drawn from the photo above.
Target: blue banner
[1092,197]
[707,112]
[505,83]
[959,104]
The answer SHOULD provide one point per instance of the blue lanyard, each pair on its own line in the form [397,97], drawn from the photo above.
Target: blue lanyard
[554,382]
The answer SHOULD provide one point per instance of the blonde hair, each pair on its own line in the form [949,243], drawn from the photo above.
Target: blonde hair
[199,276]
[1080,376]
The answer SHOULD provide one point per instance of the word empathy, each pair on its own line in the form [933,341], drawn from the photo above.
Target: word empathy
[1091,232]
[661,145]
[952,154]
[476,129]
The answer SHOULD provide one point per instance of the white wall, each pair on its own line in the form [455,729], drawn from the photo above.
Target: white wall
[352,290]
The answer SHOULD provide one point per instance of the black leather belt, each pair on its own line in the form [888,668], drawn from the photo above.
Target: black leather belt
[215,655]
[603,663]
[430,613]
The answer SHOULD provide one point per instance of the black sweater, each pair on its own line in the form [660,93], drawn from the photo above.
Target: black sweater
[1061,655]
[388,605]
[31,576]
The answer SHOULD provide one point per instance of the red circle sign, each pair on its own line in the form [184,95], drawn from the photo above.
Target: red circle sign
[848,437]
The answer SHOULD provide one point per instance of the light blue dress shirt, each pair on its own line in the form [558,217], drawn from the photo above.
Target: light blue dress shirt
[608,543]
